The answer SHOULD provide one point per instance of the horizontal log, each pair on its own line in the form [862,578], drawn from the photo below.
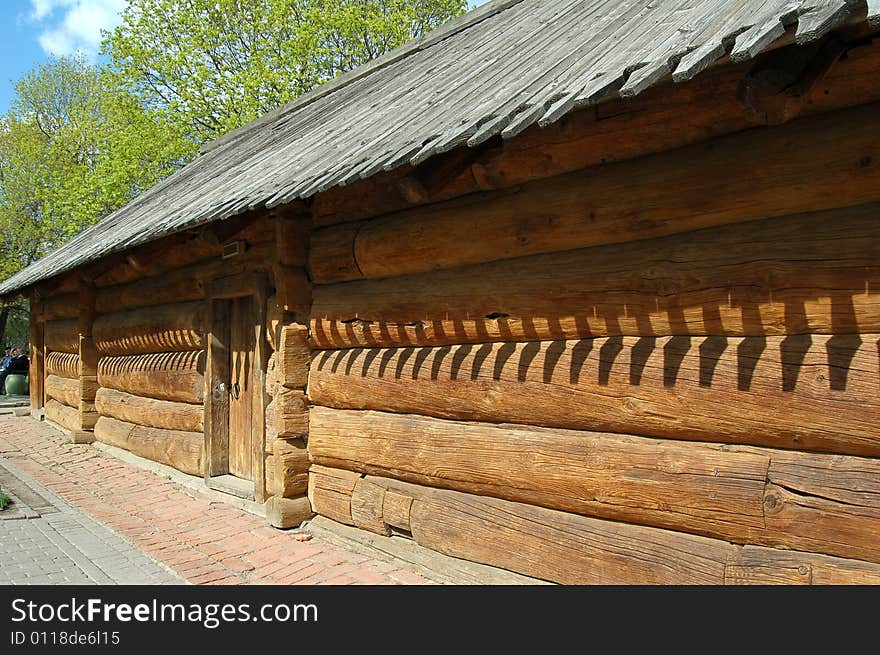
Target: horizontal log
[810,273]
[824,504]
[817,163]
[287,512]
[820,503]
[62,306]
[60,414]
[64,390]
[162,376]
[182,450]
[800,392]
[330,492]
[290,467]
[288,415]
[572,549]
[65,283]
[561,547]
[163,328]
[760,565]
[697,487]
[333,257]
[551,545]
[64,365]
[293,356]
[177,251]
[621,128]
[150,412]
[179,284]
[62,336]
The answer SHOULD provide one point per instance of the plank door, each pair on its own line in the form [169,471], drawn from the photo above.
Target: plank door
[241,369]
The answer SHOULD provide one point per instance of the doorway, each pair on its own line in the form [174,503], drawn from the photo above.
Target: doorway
[235,396]
[241,364]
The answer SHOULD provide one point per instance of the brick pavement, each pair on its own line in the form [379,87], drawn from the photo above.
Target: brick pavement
[204,541]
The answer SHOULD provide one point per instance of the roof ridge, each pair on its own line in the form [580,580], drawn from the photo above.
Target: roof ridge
[435,36]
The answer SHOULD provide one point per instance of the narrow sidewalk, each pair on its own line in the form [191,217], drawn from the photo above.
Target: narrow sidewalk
[203,541]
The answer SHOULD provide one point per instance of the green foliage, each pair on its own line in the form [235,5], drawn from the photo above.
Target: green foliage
[218,64]
[74,147]
[5,501]
[81,141]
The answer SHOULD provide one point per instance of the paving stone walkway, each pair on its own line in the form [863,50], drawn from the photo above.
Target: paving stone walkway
[44,540]
[97,519]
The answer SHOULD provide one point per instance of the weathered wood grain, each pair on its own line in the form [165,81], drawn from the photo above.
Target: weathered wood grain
[697,487]
[288,415]
[396,508]
[64,390]
[162,376]
[809,273]
[274,321]
[820,503]
[547,544]
[163,328]
[293,356]
[66,417]
[61,306]
[760,565]
[64,365]
[37,358]
[260,397]
[330,492]
[217,372]
[182,284]
[367,506]
[288,512]
[62,335]
[335,259]
[817,524]
[817,163]
[290,467]
[611,131]
[176,251]
[182,450]
[88,356]
[567,548]
[800,392]
[150,412]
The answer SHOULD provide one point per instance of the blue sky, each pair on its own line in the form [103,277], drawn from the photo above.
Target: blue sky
[33,30]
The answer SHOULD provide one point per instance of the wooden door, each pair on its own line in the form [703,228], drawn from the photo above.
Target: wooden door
[241,369]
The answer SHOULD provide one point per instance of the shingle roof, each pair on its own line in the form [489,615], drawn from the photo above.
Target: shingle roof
[496,70]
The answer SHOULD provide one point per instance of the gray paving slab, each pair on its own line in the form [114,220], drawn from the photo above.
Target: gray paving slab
[44,540]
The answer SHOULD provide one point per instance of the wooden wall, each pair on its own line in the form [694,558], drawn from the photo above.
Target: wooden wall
[287,414]
[630,348]
[150,335]
[62,356]
[663,370]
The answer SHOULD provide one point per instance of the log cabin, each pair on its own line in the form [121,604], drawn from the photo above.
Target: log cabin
[587,291]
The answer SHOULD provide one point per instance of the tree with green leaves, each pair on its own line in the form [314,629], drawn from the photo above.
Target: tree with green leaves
[218,64]
[73,148]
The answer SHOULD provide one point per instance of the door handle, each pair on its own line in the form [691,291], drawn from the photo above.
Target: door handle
[235,390]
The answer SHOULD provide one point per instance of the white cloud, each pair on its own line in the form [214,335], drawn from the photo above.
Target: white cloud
[69,26]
